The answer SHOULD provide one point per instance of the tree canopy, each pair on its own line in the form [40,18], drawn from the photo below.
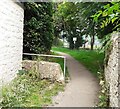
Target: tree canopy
[88,19]
[45,21]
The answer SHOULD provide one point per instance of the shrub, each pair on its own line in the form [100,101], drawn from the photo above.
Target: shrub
[38,27]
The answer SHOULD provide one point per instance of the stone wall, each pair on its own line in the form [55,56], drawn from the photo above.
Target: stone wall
[112,71]
[11,39]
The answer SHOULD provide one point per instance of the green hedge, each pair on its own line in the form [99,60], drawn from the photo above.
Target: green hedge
[38,27]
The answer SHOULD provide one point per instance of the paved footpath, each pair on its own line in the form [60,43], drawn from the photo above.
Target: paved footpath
[81,91]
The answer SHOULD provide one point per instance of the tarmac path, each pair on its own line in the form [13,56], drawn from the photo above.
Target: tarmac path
[82,90]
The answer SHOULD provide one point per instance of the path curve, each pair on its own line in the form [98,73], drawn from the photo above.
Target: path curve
[82,90]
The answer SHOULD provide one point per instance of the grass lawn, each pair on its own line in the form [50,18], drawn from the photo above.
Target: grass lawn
[93,60]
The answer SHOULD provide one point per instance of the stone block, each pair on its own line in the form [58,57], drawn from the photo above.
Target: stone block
[46,70]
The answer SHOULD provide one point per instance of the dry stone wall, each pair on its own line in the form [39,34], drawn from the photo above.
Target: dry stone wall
[112,71]
[11,39]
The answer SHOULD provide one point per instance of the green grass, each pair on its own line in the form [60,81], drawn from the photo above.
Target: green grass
[28,91]
[93,60]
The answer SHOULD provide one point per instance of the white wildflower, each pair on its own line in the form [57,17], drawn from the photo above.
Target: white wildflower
[101,82]
[103,91]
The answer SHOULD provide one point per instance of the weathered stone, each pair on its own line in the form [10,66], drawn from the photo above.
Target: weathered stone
[11,39]
[112,71]
[47,70]
[28,64]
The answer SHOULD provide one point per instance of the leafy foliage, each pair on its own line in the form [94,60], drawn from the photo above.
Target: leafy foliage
[38,28]
[108,18]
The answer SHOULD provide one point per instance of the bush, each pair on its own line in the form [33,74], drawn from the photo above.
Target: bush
[38,28]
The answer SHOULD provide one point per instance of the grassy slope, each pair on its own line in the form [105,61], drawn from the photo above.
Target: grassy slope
[28,91]
[93,60]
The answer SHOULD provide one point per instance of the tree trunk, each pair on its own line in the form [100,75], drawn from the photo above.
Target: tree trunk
[92,42]
[93,37]
[84,45]
[71,43]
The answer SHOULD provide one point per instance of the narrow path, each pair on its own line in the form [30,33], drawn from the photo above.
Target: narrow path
[82,90]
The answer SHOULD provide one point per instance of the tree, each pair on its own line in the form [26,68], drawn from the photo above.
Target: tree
[67,22]
[38,27]
[90,27]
